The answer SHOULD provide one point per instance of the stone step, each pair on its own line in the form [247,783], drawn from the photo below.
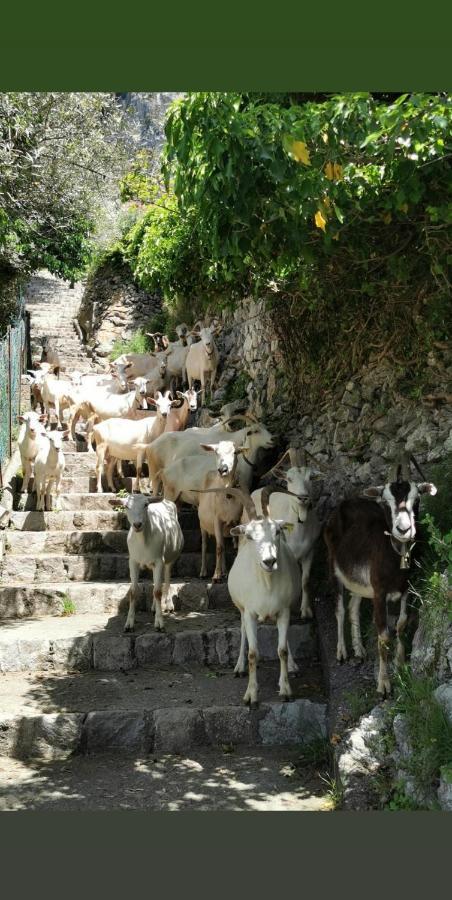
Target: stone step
[88,567]
[48,716]
[27,600]
[20,543]
[83,520]
[193,636]
[75,501]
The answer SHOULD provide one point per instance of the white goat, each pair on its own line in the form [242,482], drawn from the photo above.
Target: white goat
[128,440]
[111,384]
[31,435]
[169,448]
[202,359]
[155,541]
[264,582]
[49,468]
[297,511]
[102,405]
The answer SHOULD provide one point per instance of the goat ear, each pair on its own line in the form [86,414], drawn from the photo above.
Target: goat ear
[427,487]
[180,394]
[373,493]
[21,419]
[237,529]
[207,447]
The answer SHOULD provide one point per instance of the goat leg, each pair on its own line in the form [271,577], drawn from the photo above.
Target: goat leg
[285,691]
[134,570]
[401,625]
[383,684]
[159,624]
[240,668]
[353,612]
[167,602]
[306,611]
[253,658]
[341,651]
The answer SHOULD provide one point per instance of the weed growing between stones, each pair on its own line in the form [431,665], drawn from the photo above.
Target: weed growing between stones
[429,730]
[138,343]
[68,606]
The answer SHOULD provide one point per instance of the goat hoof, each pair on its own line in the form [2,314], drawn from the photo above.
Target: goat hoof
[128,629]
[160,628]
[357,661]
[254,704]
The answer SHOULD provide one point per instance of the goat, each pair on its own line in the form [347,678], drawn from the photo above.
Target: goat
[176,358]
[35,389]
[107,406]
[49,468]
[51,355]
[59,394]
[31,435]
[136,365]
[128,440]
[296,510]
[264,582]
[168,448]
[178,415]
[369,544]
[156,379]
[155,541]
[114,383]
[202,359]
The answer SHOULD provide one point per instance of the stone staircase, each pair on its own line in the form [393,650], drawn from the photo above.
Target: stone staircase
[72,682]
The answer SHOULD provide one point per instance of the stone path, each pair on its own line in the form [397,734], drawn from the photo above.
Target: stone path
[74,688]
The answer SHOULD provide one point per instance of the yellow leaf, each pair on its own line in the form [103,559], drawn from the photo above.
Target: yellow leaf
[404,207]
[387,218]
[336,236]
[337,171]
[325,137]
[327,203]
[329,171]
[301,153]
[319,220]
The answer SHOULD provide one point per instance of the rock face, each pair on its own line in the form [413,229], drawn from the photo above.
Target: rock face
[363,425]
[359,758]
[112,308]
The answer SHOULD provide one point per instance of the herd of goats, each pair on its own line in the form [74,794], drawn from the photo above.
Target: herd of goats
[369,538]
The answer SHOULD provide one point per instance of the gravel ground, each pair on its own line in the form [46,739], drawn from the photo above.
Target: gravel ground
[259,780]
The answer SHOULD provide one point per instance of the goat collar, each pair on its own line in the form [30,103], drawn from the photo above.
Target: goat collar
[405,551]
[247,461]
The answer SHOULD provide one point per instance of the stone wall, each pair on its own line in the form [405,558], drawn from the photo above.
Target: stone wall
[369,418]
[112,308]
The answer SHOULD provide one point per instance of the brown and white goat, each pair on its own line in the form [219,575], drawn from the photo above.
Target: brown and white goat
[369,545]
[178,415]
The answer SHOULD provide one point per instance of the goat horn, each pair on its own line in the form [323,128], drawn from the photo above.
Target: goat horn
[417,466]
[294,456]
[276,466]
[320,465]
[271,489]
[243,417]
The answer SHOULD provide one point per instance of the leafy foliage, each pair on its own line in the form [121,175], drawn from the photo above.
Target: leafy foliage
[61,155]
[430,731]
[337,209]
[138,343]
